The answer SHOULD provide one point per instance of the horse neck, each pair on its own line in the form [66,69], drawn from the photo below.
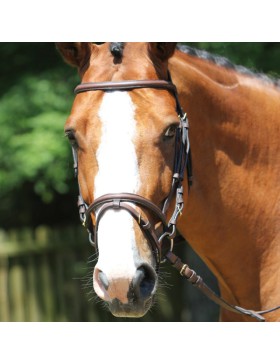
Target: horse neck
[232,216]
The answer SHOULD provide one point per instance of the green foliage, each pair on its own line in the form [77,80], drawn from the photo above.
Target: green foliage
[33,148]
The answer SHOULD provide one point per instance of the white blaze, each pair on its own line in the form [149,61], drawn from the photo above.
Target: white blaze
[118,172]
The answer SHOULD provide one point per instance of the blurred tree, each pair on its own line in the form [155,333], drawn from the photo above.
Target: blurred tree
[36,177]
[35,161]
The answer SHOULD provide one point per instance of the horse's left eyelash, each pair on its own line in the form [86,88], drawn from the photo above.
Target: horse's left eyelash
[71,137]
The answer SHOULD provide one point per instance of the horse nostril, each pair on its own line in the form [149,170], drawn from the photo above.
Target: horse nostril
[144,282]
[103,280]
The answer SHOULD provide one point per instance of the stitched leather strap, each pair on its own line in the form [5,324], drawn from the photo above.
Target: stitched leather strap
[127,197]
[121,201]
[125,85]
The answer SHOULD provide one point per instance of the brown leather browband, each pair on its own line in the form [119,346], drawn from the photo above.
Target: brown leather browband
[125,85]
[123,201]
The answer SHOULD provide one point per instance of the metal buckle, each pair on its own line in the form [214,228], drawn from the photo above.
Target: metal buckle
[170,237]
[90,239]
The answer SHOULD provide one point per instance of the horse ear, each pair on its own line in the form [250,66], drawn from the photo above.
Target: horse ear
[75,54]
[163,50]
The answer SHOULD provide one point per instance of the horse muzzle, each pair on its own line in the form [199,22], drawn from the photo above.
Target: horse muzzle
[127,296]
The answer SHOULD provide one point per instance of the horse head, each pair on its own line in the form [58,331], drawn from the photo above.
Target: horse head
[124,141]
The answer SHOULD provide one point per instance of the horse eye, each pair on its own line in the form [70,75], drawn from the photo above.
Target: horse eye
[70,134]
[171,131]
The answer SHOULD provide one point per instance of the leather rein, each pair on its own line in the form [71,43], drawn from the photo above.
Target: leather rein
[162,244]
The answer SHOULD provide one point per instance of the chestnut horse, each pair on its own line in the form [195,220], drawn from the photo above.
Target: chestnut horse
[124,142]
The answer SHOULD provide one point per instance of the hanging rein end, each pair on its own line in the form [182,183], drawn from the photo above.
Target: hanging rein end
[197,281]
[250,313]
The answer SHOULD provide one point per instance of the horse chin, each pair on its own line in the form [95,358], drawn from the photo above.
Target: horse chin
[130,310]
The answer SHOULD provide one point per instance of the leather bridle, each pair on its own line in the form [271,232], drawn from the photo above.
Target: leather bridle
[161,245]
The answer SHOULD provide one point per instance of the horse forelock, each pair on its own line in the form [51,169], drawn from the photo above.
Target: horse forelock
[116,48]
